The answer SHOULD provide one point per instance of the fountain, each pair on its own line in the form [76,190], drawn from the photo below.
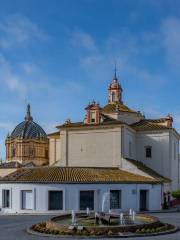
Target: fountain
[102,222]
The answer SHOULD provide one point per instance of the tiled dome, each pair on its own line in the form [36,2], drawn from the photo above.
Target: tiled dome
[28,128]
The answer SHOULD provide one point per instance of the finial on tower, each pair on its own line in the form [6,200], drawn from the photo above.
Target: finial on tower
[115,70]
[28,116]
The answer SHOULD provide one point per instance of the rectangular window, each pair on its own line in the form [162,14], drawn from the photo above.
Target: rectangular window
[55,200]
[5,198]
[86,200]
[148,150]
[115,199]
[27,199]
[93,117]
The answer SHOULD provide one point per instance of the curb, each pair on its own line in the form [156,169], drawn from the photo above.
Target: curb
[29,214]
[55,214]
[32,232]
[161,211]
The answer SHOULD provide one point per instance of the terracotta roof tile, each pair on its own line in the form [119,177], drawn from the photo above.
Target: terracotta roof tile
[149,125]
[75,175]
[113,107]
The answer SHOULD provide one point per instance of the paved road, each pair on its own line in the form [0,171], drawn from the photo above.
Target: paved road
[14,227]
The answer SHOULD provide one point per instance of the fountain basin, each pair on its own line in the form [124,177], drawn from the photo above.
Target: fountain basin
[86,225]
[63,222]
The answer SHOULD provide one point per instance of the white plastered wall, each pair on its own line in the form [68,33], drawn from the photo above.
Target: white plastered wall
[71,193]
[91,148]
[159,141]
[128,136]
[54,150]
[125,117]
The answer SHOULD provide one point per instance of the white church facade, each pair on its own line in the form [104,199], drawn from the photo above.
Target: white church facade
[114,136]
[114,154]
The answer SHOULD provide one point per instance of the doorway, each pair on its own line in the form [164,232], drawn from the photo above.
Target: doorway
[143,204]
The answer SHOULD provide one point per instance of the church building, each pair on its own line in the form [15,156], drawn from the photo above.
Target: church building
[114,155]
[117,136]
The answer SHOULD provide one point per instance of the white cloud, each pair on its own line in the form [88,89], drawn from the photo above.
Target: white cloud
[83,40]
[123,49]
[18,30]
[29,68]
[11,79]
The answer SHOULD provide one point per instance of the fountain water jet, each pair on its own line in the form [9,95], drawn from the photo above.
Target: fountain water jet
[73,217]
[133,216]
[87,211]
[106,202]
[121,218]
[130,212]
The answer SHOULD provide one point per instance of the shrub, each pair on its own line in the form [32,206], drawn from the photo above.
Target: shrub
[158,229]
[176,194]
[143,230]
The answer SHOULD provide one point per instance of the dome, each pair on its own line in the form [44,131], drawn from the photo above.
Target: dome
[28,128]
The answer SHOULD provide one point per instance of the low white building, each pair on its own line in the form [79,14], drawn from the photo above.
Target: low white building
[57,189]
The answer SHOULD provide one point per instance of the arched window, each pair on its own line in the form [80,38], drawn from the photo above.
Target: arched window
[13,151]
[113,96]
[31,152]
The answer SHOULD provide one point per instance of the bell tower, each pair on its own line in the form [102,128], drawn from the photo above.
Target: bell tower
[115,90]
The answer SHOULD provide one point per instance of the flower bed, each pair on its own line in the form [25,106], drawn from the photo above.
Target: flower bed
[154,226]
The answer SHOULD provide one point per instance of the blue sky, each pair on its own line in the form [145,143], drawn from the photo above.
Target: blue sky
[59,55]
